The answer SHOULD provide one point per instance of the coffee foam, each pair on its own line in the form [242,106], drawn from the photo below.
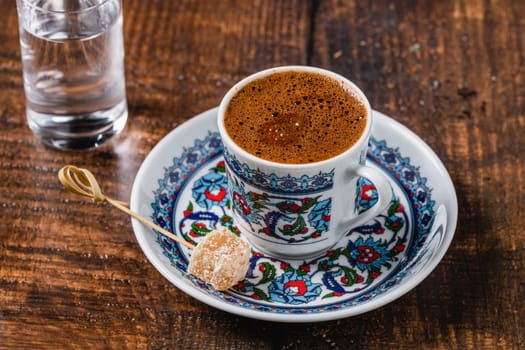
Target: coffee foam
[295,117]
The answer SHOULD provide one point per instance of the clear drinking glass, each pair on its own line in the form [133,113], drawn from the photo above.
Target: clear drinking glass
[73,60]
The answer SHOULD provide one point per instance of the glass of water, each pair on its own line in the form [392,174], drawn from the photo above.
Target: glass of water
[73,60]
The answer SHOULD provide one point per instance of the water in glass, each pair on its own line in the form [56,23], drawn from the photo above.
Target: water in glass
[73,62]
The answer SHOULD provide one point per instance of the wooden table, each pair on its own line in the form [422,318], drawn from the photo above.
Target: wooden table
[72,275]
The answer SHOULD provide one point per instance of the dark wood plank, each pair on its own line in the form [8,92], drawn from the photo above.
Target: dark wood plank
[72,274]
[453,72]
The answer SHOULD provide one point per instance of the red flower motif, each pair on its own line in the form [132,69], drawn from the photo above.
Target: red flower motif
[242,203]
[367,254]
[365,190]
[215,197]
[399,247]
[299,286]
[284,265]
[305,268]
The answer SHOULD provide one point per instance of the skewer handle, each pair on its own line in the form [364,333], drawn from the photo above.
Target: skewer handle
[83,182]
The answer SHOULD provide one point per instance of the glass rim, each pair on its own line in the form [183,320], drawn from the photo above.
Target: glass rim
[31,3]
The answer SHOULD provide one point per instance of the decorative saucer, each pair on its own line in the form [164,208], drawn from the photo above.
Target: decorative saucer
[181,186]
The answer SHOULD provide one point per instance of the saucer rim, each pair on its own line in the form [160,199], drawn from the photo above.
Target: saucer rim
[392,294]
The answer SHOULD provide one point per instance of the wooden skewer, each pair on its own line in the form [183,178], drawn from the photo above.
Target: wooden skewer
[82,181]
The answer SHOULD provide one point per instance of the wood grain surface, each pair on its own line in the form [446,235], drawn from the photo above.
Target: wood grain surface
[72,275]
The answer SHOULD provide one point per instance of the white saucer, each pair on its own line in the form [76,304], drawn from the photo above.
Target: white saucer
[371,266]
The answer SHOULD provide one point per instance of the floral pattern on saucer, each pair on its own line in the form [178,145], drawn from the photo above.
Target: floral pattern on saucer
[192,199]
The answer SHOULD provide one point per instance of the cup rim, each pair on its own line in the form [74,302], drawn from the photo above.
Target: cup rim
[243,82]
[32,4]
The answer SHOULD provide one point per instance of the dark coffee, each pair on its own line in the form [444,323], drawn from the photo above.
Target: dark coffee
[295,117]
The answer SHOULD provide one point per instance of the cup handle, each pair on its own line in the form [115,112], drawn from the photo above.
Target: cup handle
[384,191]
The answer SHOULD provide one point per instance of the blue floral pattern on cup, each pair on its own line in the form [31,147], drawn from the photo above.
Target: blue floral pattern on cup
[285,184]
[290,219]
